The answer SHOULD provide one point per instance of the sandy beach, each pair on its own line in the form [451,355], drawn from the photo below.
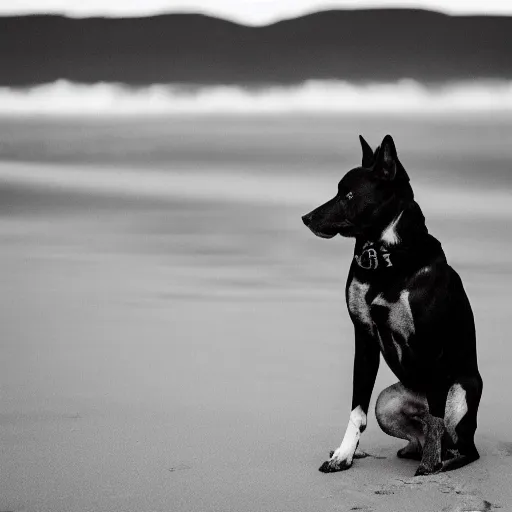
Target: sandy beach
[174,339]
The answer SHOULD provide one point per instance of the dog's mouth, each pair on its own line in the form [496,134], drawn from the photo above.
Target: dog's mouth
[328,229]
[346,228]
[323,235]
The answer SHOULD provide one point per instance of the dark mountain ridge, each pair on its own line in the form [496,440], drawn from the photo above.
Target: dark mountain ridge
[359,45]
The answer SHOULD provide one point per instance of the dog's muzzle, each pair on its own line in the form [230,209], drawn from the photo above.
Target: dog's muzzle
[307,219]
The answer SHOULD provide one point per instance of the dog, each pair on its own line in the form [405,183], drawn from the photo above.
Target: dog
[408,304]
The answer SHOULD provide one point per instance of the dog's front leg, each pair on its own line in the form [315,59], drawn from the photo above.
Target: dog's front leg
[366,365]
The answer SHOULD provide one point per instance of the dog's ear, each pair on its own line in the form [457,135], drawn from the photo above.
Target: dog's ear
[368,155]
[387,166]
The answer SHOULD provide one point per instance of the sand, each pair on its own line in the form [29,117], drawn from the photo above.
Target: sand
[170,350]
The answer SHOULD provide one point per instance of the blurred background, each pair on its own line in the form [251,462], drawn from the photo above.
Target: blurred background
[173,337]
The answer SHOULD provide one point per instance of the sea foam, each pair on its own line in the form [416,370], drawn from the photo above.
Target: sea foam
[327,97]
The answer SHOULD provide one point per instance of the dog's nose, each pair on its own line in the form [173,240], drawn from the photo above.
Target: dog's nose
[307,219]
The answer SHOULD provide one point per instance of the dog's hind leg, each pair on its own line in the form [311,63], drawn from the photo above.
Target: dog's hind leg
[432,450]
[399,412]
[460,420]
[435,431]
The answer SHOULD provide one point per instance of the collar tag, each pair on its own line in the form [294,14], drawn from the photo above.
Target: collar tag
[369,258]
[387,259]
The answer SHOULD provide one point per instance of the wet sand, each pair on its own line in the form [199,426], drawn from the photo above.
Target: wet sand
[167,349]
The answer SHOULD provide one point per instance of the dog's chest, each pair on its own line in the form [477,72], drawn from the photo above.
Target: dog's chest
[390,321]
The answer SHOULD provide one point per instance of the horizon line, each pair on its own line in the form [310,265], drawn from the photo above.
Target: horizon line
[240,19]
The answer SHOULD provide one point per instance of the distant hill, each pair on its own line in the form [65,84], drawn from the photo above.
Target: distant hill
[361,45]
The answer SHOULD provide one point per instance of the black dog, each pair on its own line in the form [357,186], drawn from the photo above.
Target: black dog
[408,303]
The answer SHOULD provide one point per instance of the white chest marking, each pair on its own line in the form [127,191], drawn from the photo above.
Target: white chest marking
[400,319]
[389,235]
[357,304]
[356,424]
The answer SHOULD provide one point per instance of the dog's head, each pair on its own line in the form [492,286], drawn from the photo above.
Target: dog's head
[366,195]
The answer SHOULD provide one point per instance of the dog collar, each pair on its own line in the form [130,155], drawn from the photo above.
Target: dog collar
[373,256]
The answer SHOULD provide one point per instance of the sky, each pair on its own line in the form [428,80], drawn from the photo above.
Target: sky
[252,12]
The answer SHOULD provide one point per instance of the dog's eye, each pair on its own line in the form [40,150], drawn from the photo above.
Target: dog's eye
[349,196]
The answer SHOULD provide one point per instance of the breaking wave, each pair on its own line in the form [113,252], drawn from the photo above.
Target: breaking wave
[407,96]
